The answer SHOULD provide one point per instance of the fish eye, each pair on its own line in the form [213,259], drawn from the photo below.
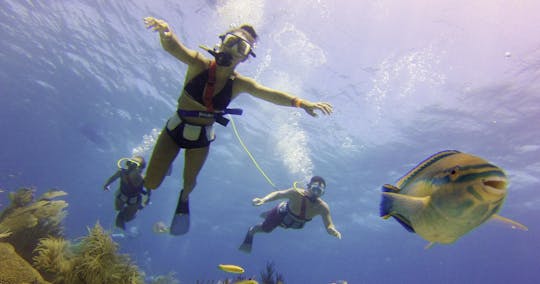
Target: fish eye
[454,172]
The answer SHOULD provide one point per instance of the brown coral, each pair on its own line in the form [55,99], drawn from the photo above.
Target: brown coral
[28,220]
[14,269]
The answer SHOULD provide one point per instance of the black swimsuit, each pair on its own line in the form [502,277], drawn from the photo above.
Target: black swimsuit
[129,193]
[189,136]
[195,89]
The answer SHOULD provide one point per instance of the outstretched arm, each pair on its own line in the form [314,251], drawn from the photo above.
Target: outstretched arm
[275,195]
[170,41]
[330,228]
[114,177]
[252,87]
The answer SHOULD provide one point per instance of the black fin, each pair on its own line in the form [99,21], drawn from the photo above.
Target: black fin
[405,223]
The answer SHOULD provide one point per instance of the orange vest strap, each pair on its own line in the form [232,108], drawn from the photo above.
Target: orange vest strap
[209,88]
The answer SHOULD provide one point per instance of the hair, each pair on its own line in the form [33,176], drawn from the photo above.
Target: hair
[248,29]
[317,179]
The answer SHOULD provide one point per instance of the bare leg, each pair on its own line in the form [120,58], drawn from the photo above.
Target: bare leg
[163,155]
[194,161]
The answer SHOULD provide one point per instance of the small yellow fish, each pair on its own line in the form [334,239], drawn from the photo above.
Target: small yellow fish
[250,281]
[446,196]
[231,268]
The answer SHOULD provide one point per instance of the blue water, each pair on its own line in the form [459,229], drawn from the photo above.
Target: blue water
[83,83]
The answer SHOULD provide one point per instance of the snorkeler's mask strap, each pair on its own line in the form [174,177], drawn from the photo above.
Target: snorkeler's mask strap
[119,163]
[120,166]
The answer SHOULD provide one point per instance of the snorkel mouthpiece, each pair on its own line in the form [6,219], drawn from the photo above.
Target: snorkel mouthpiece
[222,58]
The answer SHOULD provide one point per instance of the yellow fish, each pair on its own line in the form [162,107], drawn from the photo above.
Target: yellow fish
[446,196]
[231,268]
[249,281]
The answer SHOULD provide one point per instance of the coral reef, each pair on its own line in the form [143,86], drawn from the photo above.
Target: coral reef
[270,275]
[94,259]
[14,269]
[27,220]
[165,279]
[33,232]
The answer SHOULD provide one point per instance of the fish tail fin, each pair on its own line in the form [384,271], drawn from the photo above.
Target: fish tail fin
[385,207]
[400,206]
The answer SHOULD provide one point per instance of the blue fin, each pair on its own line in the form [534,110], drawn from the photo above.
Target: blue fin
[404,222]
[180,222]
[179,225]
[385,208]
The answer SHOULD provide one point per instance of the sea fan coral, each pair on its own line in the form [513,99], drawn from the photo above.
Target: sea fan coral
[29,220]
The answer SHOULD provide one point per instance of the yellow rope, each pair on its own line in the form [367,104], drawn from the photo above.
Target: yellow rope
[249,153]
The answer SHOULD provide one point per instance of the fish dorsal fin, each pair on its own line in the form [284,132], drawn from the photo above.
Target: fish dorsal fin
[390,188]
[513,224]
[403,181]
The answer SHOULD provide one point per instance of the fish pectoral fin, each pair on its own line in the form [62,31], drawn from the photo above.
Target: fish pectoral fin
[429,245]
[513,224]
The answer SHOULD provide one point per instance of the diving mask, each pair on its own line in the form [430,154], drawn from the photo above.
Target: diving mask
[243,47]
[316,188]
[129,163]
[231,42]
[132,163]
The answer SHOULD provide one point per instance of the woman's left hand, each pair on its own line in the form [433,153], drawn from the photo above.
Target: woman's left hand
[157,25]
[310,107]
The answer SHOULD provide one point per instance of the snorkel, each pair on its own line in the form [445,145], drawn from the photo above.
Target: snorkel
[222,58]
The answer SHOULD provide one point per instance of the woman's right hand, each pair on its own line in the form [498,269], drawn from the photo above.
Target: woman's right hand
[257,201]
[157,25]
